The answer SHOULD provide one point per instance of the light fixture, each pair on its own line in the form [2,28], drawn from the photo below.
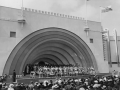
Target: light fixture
[86,29]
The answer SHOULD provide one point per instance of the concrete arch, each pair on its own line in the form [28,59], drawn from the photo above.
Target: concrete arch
[20,51]
[57,40]
[61,46]
[55,53]
[52,57]
[61,51]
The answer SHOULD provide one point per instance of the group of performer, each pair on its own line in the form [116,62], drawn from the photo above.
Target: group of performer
[57,70]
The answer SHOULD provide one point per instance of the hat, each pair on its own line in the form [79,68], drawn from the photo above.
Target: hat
[103,86]
[59,81]
[22,83]
[81,88]
[116,76]
[95,81]
[79,80]
[76,80]
[55,86]
[44,83]
[96,85]
[109,79]
[11,85]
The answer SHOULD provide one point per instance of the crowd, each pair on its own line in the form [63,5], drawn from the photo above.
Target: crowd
[89,83]
[59,70]
[3,78]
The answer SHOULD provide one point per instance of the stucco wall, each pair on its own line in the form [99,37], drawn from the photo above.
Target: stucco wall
[36,21]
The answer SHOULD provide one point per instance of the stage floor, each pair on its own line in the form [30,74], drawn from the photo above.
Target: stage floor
[37,79]
[27,79]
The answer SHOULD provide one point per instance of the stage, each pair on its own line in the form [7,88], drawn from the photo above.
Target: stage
[37,79]
[26,79]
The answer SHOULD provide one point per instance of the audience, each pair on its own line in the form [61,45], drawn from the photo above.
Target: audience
[93,82]
[89,83]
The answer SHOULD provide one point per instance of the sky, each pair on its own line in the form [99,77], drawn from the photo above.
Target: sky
[109,20]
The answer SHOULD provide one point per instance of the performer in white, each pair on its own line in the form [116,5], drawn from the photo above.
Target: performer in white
[32,74]
[40,72]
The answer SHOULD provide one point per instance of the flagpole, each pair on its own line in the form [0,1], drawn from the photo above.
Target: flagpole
[22,8]
[22,13]
[86,22]
[86,12]
[100,14]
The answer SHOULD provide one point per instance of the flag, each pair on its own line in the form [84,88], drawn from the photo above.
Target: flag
[106,9]
[116,46]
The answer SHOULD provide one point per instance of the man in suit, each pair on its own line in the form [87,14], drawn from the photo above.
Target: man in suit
[14,76]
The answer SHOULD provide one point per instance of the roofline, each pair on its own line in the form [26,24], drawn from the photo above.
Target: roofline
[51,13]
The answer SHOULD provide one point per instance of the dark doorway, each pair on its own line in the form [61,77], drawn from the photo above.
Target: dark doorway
[41,63]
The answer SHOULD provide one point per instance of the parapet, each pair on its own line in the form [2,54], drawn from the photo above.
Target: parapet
[52,13]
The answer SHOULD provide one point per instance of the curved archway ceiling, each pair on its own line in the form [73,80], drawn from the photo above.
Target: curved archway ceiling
[48,60]
[61,46]
[52,57]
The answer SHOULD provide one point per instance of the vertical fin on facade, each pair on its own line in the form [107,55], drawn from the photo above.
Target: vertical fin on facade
[104,47]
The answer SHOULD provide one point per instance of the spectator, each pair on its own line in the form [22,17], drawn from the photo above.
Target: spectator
[11,87]
[89,83]
[4,87]
[41,86]
[23,86]
[36,86]
[17,87]
[0,85]
[31,86]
